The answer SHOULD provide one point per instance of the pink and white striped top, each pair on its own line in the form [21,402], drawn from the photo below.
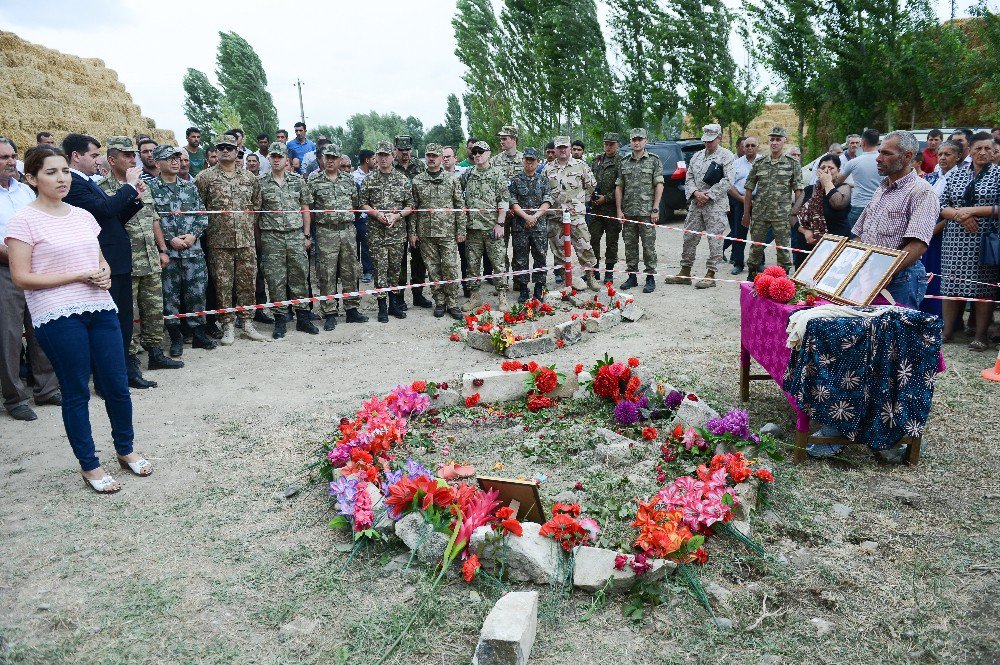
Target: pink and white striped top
[66,244]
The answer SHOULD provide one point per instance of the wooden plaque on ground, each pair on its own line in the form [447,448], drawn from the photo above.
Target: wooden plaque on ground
[524,492]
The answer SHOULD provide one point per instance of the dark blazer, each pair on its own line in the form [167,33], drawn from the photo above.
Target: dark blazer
[111,212]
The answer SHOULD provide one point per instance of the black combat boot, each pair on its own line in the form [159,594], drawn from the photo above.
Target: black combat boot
[330,323]
[159,361]
[608,276]
[419,300]
[261,316]
[355,316]
[303,324]
[629,283]
[280,326]
[539,287]
[522,296]
[176,339]
[650,284]
[200,340]
[134,372]
[383,315]
[395,307]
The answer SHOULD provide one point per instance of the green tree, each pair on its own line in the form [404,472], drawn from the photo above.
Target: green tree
[488,103]
[450,133]
[227,119]
[701,28]
[202,102]
[741,101]
[245,83]
[986,29]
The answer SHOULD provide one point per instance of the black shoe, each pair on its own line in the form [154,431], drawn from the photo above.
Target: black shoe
[629,283]
[395,306]
[557,275]
[303,324]
[23,412]
[353,315]
[537,293]
[55,399]
[438,311]
[330,323]
[260,316]
[176,341]
[608,276]
[199,340]
[159,361]
[736,270]
[466,291]
[456,313]
[383,315]
[213,330]
[313,316]
[280,327]
[400,297]
[134,371]
[522,296]
[650,284]
[420,301]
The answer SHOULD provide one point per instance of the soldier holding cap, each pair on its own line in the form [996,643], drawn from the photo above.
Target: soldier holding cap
[529,201]
[777,179]
[709,176]
[405,163]
[486,195]
[284,239]
[230,235]
[571,185]
[336,237]
[637,198]
[602,218]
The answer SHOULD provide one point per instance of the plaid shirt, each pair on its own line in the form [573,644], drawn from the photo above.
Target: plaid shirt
[907,208]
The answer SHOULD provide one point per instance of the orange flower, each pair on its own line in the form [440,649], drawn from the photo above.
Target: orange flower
[470,568]
[419,386]
[765,475]
[505,512]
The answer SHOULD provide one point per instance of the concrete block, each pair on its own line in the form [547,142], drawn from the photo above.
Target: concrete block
[530,347]
[509,630]
[569,332]
[498,385]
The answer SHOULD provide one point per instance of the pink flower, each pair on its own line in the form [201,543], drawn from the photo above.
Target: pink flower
[620,562]
[363,515]
[590,525]
[692,439]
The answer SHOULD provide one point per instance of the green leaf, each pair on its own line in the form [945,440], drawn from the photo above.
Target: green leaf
[339,522]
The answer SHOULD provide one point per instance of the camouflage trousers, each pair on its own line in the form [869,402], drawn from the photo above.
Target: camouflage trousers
[710,220]
[147,292]
[185,281]
[478,243]
[782,238]
[579,238]
[609,228]
[632,233]
[441,258]
[529,242]
[286,267]
[336,251]
[233,267]
[386,260]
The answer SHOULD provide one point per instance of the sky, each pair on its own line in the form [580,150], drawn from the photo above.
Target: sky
[383,55]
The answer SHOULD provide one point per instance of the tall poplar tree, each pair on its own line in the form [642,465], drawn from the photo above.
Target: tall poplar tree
[487,102]
[202,102]
[244,82]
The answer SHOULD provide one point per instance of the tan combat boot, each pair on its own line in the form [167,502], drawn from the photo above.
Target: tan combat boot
[228,334]
[251,333]
[591,281]
[502,303]
[708,282]
[472,304]
[683,277]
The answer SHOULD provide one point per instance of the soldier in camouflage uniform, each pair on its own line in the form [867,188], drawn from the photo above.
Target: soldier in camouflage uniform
[529,201]
[285,238]
[147,287]
[230,236]
[508,160]
[185,276]
[387,198]
[336,238]
[405,163]
[485,188]
[637,198]
[778,183]
[571,184]
[602,218]
[438,233]
[708,205]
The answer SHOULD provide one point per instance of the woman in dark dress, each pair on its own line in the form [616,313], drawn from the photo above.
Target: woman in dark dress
[827,206]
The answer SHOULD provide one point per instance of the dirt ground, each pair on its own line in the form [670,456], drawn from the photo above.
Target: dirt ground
[208,562]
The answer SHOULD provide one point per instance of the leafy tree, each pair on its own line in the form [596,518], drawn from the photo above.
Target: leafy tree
[415,128]
[329,131]
[701,28]
[227,119]
[202,102]
[986,30]
[488,103]
[741,101]
[245,83]
[450,133]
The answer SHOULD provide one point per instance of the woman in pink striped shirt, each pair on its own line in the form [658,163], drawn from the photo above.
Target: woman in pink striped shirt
[56,259]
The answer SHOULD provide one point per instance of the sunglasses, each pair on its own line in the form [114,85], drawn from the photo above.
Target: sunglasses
[476,153]
[224,146]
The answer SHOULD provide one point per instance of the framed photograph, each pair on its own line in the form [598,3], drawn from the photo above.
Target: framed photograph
[524,492]
[870,277]
[825,248]
[839,269]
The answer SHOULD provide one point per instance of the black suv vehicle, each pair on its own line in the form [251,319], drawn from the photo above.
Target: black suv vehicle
[675,156]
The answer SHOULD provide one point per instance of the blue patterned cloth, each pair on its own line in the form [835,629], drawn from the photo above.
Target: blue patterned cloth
[871,379]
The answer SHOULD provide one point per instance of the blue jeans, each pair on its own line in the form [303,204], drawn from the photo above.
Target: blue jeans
[361,231]
[909,286]
[853,215]
[76,345]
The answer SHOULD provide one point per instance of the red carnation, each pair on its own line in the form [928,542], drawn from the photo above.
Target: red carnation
[546,380]
[781,289]
[560,343]
[776,272]
[700,555]
[419,386]
[765,475]
[443,386]
[455,337]
[762,284]
[477,382]
[650,433]
[633,362]
[578,368]
[472,401]
[605,385]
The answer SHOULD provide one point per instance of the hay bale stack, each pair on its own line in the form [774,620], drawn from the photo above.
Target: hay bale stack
[43,89]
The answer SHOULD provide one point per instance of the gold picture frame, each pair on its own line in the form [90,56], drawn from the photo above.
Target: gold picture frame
[825,249]
[523,493]
[856,273]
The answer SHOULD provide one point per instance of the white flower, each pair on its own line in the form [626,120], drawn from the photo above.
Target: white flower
[848,342]
[850,380]
[842,410]
[888,414]
[930,378]
[821,393]
[913,428]
[826,359]
[905,372]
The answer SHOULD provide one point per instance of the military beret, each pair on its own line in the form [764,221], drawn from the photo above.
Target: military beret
[482,145]
[612,137]
[228,139]
[530,153]
[404,142]
[330,150]
[778,131]
[637,133]
[562,141]
[277,148]
[508,130]
[122,143]
[165,151]
[433,149]
[383,147]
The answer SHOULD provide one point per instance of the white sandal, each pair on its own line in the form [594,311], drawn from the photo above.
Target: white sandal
[101,485]
[138,468]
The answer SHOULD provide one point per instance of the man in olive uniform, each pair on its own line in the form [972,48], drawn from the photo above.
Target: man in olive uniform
[777,180]
[386,195]
[336,238]
[230,236]
[408,165]
[439,232]
[529,201]
[147,286]
[601,220]
[185,276]
[508,160]
[487,197]
[637,198]
[571,184]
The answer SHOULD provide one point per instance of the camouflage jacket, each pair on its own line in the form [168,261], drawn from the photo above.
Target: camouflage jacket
[719,192]
[509,166]
[238,191]
[145,253]
[339,194]
[180,196]
[775,181]
[638,179]
[292,195]
[570,185]
[485,189]
[606,174]
[412,169]
[437,190]
[529,192]
[388,192]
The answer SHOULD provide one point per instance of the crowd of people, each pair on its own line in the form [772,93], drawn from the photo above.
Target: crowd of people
[91,237]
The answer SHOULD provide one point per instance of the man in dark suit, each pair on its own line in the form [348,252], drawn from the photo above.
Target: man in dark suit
[111,213]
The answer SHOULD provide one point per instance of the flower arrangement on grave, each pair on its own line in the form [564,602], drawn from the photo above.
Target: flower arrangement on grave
[568,529]
[773,283]
[529,311]
[730,432]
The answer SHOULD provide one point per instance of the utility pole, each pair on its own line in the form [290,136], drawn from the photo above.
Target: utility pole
[302,110]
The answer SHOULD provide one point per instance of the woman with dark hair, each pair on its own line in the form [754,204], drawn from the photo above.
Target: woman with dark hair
[56,259]
[969,203]
[826,209]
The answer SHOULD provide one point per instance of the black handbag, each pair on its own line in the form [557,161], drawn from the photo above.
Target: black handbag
[713,174]
[991,244]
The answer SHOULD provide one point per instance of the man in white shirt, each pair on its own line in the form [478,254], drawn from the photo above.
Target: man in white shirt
[14,316]
[741,169]
[864,170]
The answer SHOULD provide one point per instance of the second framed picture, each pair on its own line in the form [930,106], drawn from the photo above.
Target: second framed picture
[847,271]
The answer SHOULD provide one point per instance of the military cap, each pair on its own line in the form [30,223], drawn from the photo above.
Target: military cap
[122,143]
[433,149]
[530,153]
[404,142]
[562,141]
[778,131]
[228,139]
[508,130]
[482,145]
[330,150]
[383,147]
[165,151]
[613,137]
[711,132]
[277,148]
[637,133]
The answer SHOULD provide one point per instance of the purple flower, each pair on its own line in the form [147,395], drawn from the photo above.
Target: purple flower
[416,469]
[391,478]
[626,412]
[736,423]
[344,489]
[408,401]
[673,399]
